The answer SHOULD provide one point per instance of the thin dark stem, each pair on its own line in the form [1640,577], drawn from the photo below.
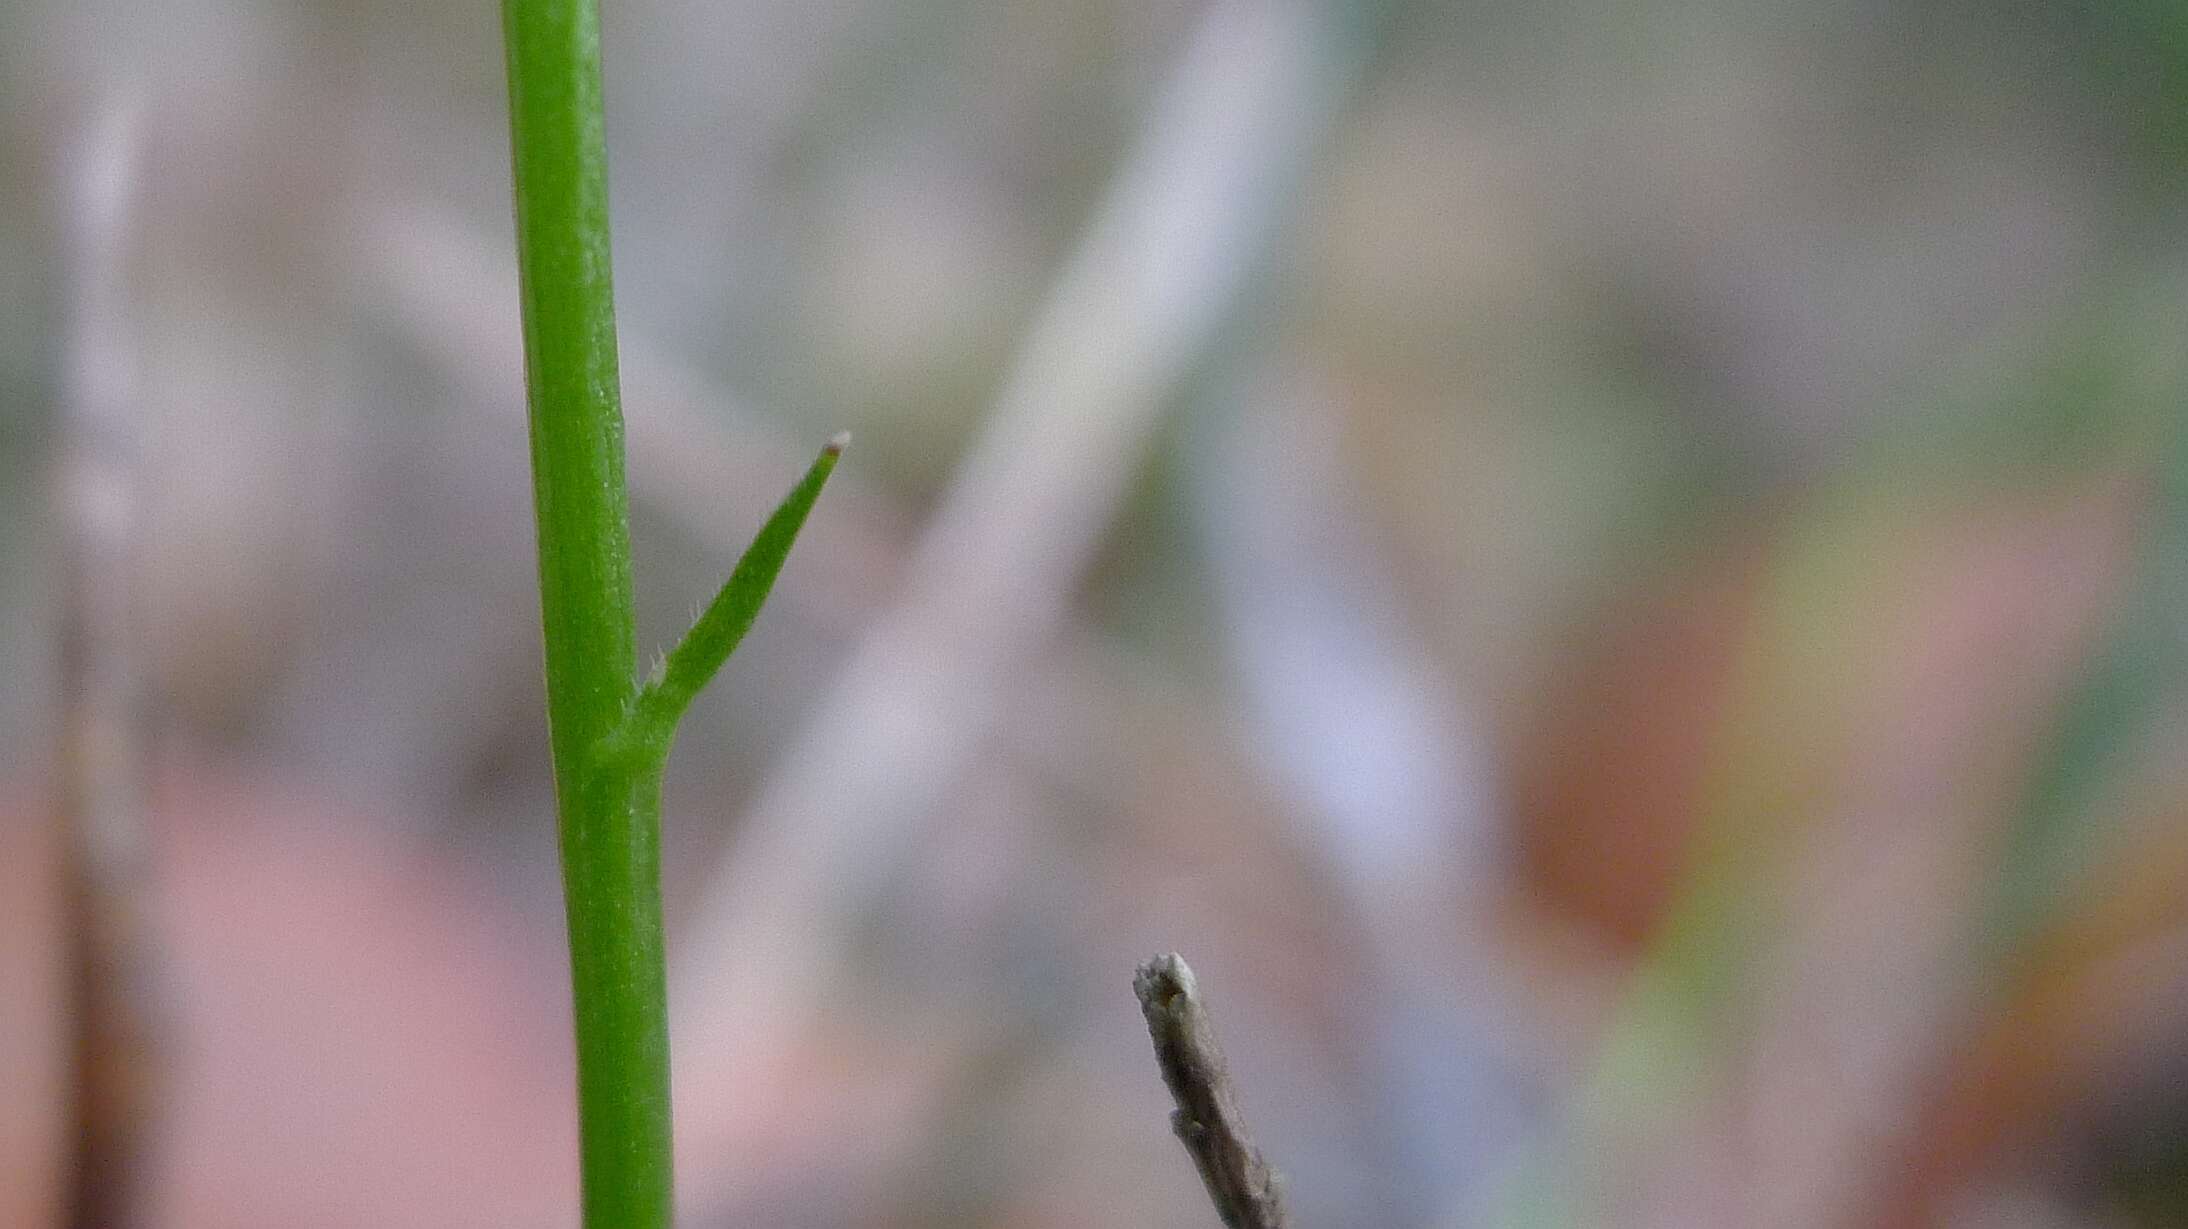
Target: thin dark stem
[1246,1192]
[116,1058]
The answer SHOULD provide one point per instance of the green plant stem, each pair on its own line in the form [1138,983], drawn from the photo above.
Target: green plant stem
[609,808]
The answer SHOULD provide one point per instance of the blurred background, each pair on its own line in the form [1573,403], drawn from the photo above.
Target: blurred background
[1615,576]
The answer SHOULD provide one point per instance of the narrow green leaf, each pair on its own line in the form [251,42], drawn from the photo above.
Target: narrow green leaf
[723,624]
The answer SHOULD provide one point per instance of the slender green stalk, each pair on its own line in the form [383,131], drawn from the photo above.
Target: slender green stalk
[609,819]
[610,737]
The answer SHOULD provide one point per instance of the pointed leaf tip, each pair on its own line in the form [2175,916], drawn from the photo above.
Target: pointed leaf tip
[718,629]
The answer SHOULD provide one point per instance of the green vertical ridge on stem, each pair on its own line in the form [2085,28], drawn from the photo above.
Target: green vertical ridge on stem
[610,813]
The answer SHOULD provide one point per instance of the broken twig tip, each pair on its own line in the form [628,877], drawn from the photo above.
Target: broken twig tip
[1246,1192]
[1160,980]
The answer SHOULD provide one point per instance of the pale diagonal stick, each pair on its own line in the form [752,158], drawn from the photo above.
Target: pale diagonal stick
[1246,1192]
[1164,264]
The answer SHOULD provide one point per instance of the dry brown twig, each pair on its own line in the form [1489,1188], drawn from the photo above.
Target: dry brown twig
[1246,1192]
[101,787]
